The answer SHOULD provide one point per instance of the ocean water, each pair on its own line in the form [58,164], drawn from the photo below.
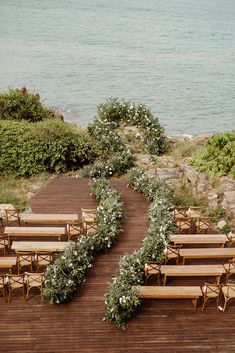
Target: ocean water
[175,56]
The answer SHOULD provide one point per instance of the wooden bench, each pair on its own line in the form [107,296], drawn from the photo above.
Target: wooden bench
[199,239]
[51,246]
[41,218]
[192,271]
[170,292]
[7,262]
[207,253]
[34,232]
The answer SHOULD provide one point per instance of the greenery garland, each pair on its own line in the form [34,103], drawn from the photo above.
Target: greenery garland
[122,299]
[68,271]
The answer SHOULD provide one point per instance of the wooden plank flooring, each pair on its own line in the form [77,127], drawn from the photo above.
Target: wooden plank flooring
[165,326]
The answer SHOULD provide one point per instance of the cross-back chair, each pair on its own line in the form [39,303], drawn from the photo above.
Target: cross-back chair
[15,283]
[203,224]
[88,214]
[74,230]
[184,224]
[90,226]
[12,216]
[229,268]
[3,285]
[194,211]
[172,252]
[43,259]
[153,268]
[34,280]
[25,259]
[210,291]
[180,212]
[228,291]
[3,244]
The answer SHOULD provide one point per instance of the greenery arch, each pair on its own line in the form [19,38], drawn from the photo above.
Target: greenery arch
[114,112]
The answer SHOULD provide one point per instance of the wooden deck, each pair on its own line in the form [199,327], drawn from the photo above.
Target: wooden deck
[166,326]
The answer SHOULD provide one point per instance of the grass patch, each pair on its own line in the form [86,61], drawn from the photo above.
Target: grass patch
[183,196]
[186,148]
[18,191]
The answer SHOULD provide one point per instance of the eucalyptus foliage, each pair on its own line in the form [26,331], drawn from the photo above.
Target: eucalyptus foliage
[218,155]
[117,164]
[68,271]
[122,299]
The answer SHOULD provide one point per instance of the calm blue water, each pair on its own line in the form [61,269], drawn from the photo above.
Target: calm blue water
[175,56]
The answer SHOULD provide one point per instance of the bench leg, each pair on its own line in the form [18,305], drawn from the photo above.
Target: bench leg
[164,280]
[194,301]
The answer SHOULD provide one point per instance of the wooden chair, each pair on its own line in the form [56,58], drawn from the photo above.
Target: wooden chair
[12,216]
[228,291]
[25,259]
[210,291]
[34,280]
[90,226]
[203,225]
[153,268]
[172,252]
[179,212]
[194,212]
[74,230]
[229,268]
[88,214]
[42,259]
[3,243]
[14,283]
[3,285]
[184,224]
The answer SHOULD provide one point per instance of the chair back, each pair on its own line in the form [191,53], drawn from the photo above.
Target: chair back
[33,279]
[172,252]
[74,230]
[90,227]
[43,259]
[203,224]
[15,281]
[184,224]
[3,243]
[179,212]
[194,211]
[88,214]
[25,258]
[12,216]
[211,290]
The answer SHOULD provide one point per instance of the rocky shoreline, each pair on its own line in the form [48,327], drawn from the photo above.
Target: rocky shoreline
[219,192]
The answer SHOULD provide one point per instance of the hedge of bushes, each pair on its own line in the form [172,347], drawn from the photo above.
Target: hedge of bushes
[122,299]
[21,105]
[27,149]
[68,272]
[217,156]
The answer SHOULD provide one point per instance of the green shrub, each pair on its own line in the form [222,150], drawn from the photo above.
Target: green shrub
[21,105]
[27,149]
[218,155]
